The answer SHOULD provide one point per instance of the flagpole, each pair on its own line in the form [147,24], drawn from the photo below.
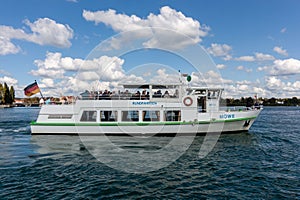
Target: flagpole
[40,90]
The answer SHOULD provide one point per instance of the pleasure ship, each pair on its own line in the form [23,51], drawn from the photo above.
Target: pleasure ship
[146,109]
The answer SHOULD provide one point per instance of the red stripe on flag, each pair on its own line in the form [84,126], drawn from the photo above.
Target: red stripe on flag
[31,89]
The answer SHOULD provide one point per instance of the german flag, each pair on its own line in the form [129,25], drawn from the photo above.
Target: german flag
[31,89]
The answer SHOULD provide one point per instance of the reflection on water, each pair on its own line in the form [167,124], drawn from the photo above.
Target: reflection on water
[130,154]
[56,145]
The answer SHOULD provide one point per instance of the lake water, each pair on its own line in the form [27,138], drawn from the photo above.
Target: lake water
[261,164]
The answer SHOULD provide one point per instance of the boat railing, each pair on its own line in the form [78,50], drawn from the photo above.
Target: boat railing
[127,97]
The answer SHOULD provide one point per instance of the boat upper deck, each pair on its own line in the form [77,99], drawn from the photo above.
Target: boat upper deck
[158,92]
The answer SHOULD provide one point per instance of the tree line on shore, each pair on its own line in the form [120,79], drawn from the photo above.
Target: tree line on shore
[248,101]
[7,94]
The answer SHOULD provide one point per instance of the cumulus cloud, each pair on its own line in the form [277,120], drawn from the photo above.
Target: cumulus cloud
[75,74]
[164,76]
[289,66]
[221,66]
[280,88]
[154,28]
[56,61]
[280,51]
[44,31]
[263,57]
[257,57]
[242,68]
[8,80]
[6,47]
[210,79]
[220,50]
[245,58]
[55,66]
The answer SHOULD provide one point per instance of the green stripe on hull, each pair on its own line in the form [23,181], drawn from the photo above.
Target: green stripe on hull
[135,123]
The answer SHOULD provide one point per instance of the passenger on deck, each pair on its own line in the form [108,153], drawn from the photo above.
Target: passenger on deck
[106,95]
[166,95]
[143,96]
[137,95]
[157,94]
[114,95]
[85,95]
[99,95]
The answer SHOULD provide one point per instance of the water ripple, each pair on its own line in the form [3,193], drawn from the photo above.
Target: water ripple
[261,164]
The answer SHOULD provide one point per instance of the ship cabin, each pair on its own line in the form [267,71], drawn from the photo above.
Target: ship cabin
[152,103]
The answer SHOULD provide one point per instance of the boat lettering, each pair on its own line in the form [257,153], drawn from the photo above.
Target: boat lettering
[227,116]
[144,103]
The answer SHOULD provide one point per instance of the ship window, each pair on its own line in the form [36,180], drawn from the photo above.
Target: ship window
[151,115]
[60,116]
[89,116]
[108,115]
[173,115]
[131,115]
[213,94]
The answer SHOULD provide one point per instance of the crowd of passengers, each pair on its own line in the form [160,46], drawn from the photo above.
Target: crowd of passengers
[126,95]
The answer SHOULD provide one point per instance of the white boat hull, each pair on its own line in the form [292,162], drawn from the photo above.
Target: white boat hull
[143,128]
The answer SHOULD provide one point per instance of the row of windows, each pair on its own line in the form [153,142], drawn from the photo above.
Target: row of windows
[130,116]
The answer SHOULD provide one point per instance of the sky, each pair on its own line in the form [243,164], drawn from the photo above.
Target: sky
[248,47]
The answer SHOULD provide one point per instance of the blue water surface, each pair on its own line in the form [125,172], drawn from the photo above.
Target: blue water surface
[261,164]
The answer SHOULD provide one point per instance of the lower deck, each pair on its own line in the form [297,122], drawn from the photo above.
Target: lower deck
[138,128]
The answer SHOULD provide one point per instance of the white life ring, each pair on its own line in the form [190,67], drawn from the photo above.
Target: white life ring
[188,101]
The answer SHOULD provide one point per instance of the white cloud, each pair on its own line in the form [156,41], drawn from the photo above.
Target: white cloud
[155,28]
[107,68]
[257,57]
[47,83]
[48,73]
[245,58]
[56,61]
[44,31]
[280,51]
[281,88]
[243,88]
[221,66]
[210,79]
[220,50]
[263,57]
[283,30]
[262,68]
[6,47]
[47,32]
[65,75]
[55,66]
[242,68]
[162,76]
[244,82]
[3,72]
[289,66]
[88,76]
[8,80]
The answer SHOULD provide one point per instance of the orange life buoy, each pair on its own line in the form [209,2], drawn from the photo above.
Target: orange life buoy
[188,101]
